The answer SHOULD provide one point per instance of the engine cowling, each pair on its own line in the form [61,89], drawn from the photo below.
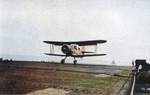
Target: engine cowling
[65,49]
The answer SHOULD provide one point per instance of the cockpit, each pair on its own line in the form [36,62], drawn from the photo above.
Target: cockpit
[75,46]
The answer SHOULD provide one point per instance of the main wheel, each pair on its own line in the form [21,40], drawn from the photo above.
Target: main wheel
[62,61]
[75,62]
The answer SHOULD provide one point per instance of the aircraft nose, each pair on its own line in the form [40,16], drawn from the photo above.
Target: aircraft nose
[65,49]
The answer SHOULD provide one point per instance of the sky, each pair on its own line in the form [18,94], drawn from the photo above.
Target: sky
[125,24]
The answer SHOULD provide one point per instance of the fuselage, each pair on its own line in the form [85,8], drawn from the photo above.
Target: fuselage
[72,49]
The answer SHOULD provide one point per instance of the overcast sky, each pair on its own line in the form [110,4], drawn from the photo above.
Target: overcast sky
[125,24]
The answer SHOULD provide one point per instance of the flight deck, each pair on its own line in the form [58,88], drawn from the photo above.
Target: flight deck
[23,77]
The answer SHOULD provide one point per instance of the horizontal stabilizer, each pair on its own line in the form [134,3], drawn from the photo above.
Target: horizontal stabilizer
[87,52]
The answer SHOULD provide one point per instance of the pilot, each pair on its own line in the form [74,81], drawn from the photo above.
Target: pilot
[75,47]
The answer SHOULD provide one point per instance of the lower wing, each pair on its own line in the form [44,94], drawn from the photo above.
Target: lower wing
[55,54]
[87,55]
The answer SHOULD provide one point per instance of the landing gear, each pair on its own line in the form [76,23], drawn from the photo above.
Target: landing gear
[75,61]
[63,60]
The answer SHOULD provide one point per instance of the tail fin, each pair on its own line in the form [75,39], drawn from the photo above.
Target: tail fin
[82,48]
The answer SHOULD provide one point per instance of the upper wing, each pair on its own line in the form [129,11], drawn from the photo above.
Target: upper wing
[80,43]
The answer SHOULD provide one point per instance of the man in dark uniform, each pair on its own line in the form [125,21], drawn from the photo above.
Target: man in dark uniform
[132,63]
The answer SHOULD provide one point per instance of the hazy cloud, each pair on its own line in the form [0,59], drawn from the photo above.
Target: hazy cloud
[123,23]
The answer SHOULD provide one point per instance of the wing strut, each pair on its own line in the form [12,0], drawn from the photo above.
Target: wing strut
[51,49]
[95,49]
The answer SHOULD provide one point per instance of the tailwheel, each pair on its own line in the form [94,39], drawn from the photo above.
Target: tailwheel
[75,62]
[62,61]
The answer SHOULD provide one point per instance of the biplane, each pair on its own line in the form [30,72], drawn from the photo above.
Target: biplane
[74,49]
